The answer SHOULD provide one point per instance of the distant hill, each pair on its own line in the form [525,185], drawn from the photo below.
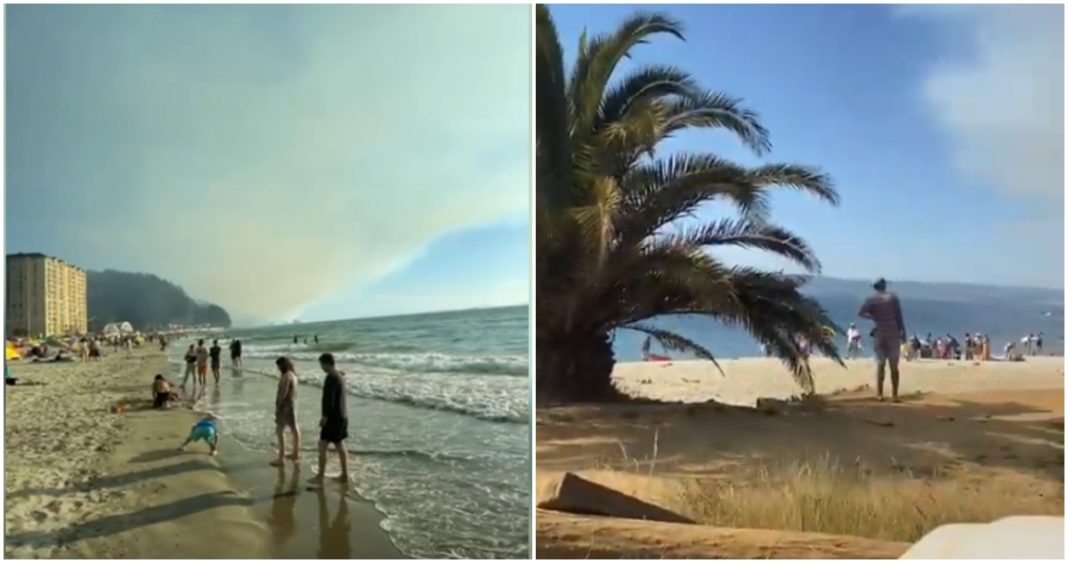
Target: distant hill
[939,291]
[146,301]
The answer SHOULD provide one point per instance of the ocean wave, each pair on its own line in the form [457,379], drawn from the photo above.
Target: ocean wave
[285,348]
[409,363]
[485,399]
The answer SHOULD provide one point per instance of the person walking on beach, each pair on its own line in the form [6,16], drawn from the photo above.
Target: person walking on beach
[884,309]
[216,359]
[852,341]
[202,363]
[1038,343]
[190,368]
[235,354]
[285,410]
[334,424]
[316,339]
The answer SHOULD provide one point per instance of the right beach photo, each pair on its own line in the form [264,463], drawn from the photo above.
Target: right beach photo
[799,281]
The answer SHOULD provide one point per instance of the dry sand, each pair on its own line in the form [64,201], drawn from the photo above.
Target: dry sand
[83,482]
[971,441]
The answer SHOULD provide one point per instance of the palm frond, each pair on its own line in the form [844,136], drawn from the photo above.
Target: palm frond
[748,234]
[804,178]
[676,342]
[705,109]
[594,68]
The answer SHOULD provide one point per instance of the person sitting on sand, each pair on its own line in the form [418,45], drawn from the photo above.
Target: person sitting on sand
[206,430]
[884,309]
[163,397]
[285,409]
[334,423]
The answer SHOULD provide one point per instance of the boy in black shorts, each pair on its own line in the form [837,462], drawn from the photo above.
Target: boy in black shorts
[334,423]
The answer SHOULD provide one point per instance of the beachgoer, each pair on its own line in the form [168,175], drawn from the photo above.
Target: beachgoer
[216,360]
[852,341]
[190,368]
[285,409]
[206,430]
[162,394]
[94,349]
[162,343]
[202,362]
[235,354]
[884,309]
[645,347]
[83,349]
[334,423]
[316,339]
[1038,343]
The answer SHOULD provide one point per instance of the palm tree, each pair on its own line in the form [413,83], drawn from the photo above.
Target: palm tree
[611,253]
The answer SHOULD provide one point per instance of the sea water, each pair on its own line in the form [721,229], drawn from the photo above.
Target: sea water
[1000,313]
[439,419]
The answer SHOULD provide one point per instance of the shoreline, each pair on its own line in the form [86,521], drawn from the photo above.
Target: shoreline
[114,486]
[745,380]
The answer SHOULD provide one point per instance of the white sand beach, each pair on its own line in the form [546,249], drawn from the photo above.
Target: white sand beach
[83,482]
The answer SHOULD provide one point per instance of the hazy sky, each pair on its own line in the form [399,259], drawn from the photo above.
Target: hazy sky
[943,127]
[320,162]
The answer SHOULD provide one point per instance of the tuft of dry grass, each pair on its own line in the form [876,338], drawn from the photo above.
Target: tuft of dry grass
[816,494]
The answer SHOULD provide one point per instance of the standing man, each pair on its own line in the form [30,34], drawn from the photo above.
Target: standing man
[216,359]
[852,342]
[235,354]
[202,363]
[334,424]
[884,309]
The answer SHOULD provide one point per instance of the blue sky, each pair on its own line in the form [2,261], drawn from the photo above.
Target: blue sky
[941,126]
[284,161]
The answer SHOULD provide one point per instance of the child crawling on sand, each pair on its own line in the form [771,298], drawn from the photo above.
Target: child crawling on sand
[205,430]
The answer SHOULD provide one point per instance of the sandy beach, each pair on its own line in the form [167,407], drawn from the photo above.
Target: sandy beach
[968,443]
[83,482]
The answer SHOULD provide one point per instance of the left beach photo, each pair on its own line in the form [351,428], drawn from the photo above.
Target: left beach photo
[267,281]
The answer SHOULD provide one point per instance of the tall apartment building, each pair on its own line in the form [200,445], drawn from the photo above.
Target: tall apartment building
[45,296]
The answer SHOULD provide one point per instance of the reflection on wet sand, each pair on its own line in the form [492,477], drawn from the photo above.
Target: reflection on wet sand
[282,521]
[334,541]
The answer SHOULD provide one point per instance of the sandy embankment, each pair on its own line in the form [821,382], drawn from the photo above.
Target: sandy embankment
[82,482]
[969,441]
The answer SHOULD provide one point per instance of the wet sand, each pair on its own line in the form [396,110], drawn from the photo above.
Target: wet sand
[82,482]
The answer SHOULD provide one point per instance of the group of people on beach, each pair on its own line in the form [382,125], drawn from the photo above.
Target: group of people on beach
[975,347]
[333,422]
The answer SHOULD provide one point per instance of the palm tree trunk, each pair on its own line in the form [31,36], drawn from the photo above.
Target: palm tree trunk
[574,368]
